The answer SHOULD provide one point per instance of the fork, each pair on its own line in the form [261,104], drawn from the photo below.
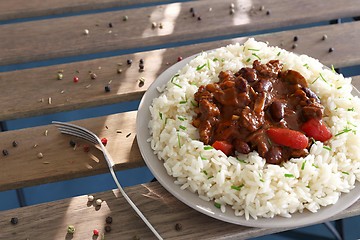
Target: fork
[75,130]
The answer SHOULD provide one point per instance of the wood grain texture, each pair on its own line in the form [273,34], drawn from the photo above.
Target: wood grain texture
[23,167]
[62,37]
[34,8]
[50,220]
[40,84]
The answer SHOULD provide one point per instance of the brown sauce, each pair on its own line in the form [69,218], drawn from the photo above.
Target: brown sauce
[241,106]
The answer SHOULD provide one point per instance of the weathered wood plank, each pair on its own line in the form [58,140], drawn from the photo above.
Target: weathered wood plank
[61,37]
[34,8]
[23,166]
[66,95]
[50,220]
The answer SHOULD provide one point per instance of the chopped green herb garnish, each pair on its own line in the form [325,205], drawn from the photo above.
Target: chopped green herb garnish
[175,76]
[303,165]
[351,124]
[241,160]
[289,175]
[306,65]
[351,109]
[160,115]
[218,205]
[183,102]
[208,147]
[238,188]
[253,49]
[198,68]
[315,80]
[208,64]
[203,158]
[181,118]
[179,142]
[345,130]
[278,54]
[339,87]
[248,60]
[327,148]
[205,172]
[215,60]
[182,127]
[254,54]
[322,77]
[345,173]
[210,177]
[262,180]
[177,85]
[308,186]
[316,166]
[333,69]
[223,60]
[194,104]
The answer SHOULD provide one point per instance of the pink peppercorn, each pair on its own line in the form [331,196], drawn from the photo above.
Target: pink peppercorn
[76,79]
[96,232]
[179,58]
[104,141]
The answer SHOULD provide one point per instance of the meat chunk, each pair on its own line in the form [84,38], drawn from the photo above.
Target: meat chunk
[313,110]
[250,120]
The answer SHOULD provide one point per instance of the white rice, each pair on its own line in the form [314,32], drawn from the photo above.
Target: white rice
[246,183]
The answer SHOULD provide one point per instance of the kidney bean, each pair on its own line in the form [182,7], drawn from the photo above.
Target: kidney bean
[277,110]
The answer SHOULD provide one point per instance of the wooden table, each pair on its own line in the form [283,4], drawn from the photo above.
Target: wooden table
[48,32]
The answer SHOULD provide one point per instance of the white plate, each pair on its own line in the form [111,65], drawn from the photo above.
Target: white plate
[208,208]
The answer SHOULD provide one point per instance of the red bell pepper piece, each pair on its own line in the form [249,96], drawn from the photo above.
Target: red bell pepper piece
[223,146]
[316,129]
[287,137]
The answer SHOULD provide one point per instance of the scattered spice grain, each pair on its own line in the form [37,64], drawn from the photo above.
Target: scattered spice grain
[104,141]
[107,228]
[110,25]
[86,31]
[268,12]
[331,49]
[76,79]
[107,88]
[129,61]
[15,143]
[14,220]
[178,227]
[93,75]
[71,229]
[5,152]
[128,135]
[125,18]
[179,58]
[109,220]
[296,38]
[90,198]
[40,155]
[98,202]
[324,37]
[60,76]
[294,46]
[72,143]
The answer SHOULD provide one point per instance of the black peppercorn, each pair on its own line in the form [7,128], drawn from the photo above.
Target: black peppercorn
[110,25]
[296,38]
[324,37]
[199,18]
[107,228]
[72,143]
[109,220]
[331,49]
[107,88]
[5,152]
[294,46]
[129,61]
[178,227]
[268,12]
[14,220]
[141,61]
[193,14]
[191,10]
[15,143]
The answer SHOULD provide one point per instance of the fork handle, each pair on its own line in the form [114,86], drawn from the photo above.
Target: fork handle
[132,204]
